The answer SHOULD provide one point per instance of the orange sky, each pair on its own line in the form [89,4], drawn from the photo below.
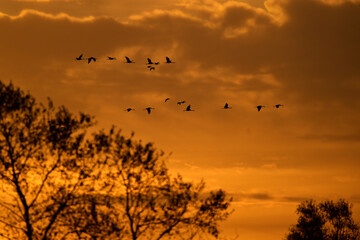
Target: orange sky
[304,54]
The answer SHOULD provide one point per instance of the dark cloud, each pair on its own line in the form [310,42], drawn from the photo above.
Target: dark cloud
[238,54]
[265,196]
[262,196]
[313,55]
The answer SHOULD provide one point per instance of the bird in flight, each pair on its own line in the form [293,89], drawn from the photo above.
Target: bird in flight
[167,99]
[111,58]
[278,105]
[168,60]
[226,106]
[181,102]
[188,109]
[151,68]
[129,109]
[128,60]
[91,58]
[148,109]
[151,62]
[259,107]
[80,57]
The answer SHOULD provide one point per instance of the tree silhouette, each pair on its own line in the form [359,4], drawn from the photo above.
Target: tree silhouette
[145,202]
[326,220]
[40,163]
[58,182]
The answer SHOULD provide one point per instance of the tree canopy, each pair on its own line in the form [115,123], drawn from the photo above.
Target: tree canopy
[326,220]
[58,181]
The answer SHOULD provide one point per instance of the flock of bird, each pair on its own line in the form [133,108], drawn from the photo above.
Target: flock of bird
[150,66]
[150,63]
[188,108]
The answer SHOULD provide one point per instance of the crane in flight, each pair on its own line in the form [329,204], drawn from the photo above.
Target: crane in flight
[80,57]
[259,107]
[168,60]
[111,58]
[188,109]
[148,109]
[167,99]
[181,102]
[128,60]
[151,62]
[278,105]
[129,109]
[227,106]
[91,58]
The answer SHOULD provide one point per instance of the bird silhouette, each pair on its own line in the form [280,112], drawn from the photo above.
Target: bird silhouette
[148,109]
[151,62]
[128,60]
[226,106]
[259,107]
[111,58]
[167,99]
[278,105]
[91,58]
[80,57]
[129,109]
[180,102]
[151,68]
[168,60]
[188,109]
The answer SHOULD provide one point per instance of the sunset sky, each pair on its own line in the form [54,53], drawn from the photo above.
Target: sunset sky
[304,54]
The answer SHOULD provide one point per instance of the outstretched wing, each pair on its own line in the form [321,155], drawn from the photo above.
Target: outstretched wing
[128,59]
[149,61]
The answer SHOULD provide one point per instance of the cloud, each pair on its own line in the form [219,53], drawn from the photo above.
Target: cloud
[261,196]
[297,48]
[29,13]
[46,0]
[301,53]
[224,52]
[81,8]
